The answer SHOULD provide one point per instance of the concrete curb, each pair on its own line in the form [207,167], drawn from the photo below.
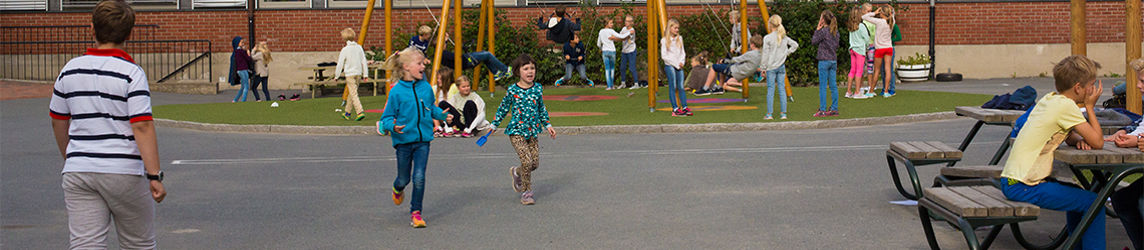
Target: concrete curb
[576,130]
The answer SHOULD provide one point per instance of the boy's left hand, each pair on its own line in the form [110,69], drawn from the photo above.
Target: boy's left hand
[552,132]
[1094,95]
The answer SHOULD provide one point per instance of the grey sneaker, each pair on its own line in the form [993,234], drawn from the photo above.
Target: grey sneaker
[517,185]
[526,198]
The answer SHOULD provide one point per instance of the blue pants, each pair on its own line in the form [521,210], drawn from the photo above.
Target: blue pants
[488,59]
[827,78]
[675,86]
[244,78]
[893,77]
[412,157]
[722,68]
[568,67]
[628,61]
[609,66]
[260,80]
[1074,201]
[773,76]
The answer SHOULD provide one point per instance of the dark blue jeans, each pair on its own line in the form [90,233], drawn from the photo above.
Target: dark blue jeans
[489,60]
[1073,201]
[244,78]
[628,61]
[1129,204]
[827,78]
[411,161]
[260,80]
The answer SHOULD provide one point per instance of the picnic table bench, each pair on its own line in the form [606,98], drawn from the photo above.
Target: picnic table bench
[971,207]
[984,116]
[917,153]
[319,79]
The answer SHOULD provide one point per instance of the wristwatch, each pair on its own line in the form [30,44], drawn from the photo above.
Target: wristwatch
[158,177]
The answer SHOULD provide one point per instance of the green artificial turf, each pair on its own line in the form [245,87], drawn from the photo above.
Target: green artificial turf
[630,107]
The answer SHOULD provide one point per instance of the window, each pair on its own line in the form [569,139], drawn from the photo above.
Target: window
[23,5]
[136,4]
[276,4]
[218,4]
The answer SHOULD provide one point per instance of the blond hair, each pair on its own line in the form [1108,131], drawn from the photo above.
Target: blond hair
[348,34]
[1074,69]
[671,37]
[424,30]
[733,13]
[396,62]
[265,50]
[776,25]
[464,79]
[1137,65]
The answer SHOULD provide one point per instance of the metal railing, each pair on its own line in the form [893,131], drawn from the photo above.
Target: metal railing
[38,53]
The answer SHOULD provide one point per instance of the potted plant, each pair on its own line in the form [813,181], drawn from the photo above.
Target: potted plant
[914,68]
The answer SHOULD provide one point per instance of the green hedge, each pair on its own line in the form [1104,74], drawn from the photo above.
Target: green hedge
[701,32]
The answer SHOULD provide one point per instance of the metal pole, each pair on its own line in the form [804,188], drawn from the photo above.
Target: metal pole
[250,22]
[932,39]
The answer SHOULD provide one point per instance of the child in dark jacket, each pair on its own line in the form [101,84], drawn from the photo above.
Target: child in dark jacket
[574,58]
[826,39]
[242,64]
[560,29]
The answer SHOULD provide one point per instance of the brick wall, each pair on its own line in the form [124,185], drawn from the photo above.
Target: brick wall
[316,30]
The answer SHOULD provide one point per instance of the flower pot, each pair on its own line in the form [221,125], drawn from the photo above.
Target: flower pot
[913,73]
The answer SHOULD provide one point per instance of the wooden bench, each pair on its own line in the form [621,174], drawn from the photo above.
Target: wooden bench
[917,153]
[971,207]
[316,86]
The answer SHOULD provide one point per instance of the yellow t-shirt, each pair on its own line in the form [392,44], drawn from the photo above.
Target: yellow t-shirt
[1031,157]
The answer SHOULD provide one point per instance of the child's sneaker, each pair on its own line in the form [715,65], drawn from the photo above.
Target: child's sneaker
[466,135]
[609,88]
[768,117]
[719,91]
[398,197]
[517,184]
[558,82]
[622,85]
[346,116]
[848,95]
[416,222]
[686,111]
[526,198]
[759,76]
[832,113]
[887,95]
[502,75]
[702,92]
[782,116]
[870,95]
[859,96]
[635,86]
[676,112]
[359,117]
[819,114]
[591,83]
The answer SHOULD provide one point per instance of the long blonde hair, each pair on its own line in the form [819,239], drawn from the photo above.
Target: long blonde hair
[831,22]
[888,14]
[265,50]
[776,24]
[671,37]
[396,62]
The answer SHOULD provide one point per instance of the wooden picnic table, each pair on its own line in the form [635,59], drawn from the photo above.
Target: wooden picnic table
[984,116]
[318,80]
[1108,165]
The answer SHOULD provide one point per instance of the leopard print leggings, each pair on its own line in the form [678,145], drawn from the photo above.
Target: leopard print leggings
[529,154]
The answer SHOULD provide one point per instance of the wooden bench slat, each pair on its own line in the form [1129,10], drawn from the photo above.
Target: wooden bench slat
[907,150]
[950,152]
[1019,208]
[993,206]
[984,171]
[955,202]
[930,151]
[1130,155]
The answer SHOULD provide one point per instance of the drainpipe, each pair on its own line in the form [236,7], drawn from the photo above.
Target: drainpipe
[250,24]
[932,40]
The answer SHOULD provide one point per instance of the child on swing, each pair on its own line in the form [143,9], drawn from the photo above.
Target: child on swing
[741,67]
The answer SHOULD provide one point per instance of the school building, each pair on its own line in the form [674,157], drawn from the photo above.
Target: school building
[187,42]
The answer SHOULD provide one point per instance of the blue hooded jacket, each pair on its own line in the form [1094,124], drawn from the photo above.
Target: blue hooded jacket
[232,77]
[410,104]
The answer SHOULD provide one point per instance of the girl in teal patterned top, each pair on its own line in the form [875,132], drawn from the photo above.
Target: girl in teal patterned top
[525,100]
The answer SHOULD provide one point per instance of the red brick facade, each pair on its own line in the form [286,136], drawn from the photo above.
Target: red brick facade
[316,30]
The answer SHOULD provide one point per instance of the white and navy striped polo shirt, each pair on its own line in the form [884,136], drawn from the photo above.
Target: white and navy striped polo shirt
[102,93]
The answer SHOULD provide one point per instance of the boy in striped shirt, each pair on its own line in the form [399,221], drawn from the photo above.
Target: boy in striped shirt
[101,118]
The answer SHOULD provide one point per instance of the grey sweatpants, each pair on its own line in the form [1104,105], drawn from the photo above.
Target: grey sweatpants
[94,200]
